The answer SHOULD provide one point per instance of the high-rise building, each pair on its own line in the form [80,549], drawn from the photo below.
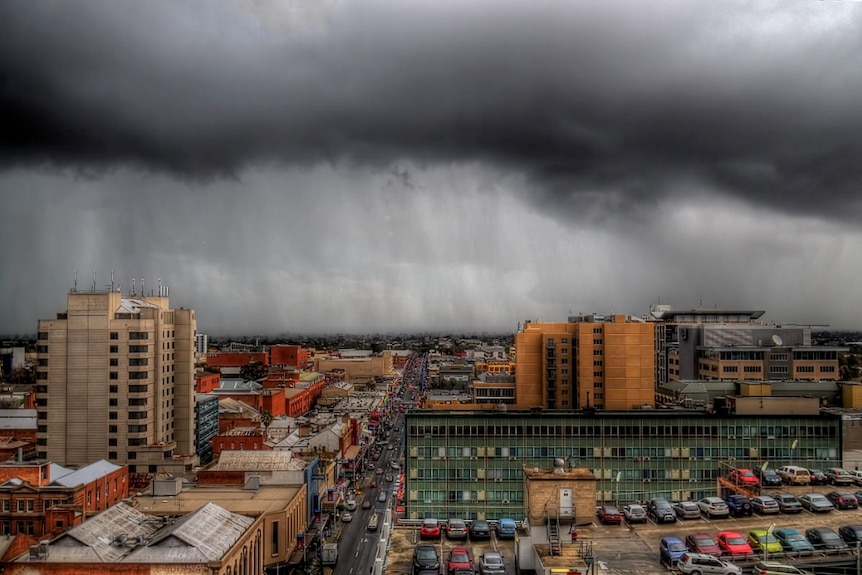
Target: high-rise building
[115,381]
[202,342]
[605,362]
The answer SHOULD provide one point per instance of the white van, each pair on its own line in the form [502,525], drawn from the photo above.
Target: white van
[794,475]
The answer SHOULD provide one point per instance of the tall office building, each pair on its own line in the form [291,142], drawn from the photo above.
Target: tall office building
[605,362]
[115,381]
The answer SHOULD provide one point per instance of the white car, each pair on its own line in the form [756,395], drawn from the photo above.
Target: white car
[713,507]
[635,513]
[347,517]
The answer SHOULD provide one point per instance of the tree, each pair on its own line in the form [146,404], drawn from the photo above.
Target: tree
[254,371]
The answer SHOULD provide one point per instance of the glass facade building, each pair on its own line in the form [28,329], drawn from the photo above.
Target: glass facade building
[470,465]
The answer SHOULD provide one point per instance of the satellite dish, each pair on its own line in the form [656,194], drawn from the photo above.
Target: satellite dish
[776,339]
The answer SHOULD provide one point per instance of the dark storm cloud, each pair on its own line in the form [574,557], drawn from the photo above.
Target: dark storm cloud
[609,104]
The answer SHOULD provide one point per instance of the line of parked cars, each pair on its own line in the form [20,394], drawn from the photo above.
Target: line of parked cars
[794,475]
[459,530]
[459,561]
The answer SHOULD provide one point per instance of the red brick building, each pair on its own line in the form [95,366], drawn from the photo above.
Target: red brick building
[236,358]
[239,439]
[290,356]
[205,381]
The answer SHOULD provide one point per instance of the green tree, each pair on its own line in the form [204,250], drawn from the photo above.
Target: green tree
[254,371]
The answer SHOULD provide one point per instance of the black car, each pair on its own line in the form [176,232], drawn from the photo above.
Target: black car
[661,511]
[739,505]
[425,558]
[851,534]
[480,530]
[825,538]
[843,500]
[817,477]
[768,477]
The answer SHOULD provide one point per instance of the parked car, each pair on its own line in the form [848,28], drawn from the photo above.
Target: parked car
[817,477]
[776,568]
[843,500]
[425,558]
[839,476]
[506,528]
[701,564]
[825,538]
[763,542]
[456,529]
[816,503]
[738,505]
[713,507]
[768,477]
[857,475]
[480,530]
[852,534]
[491,563]
[765,505]
[609,515]
[686,510]
[346,517]
[794,475]
[661,511]
[459,558]
[670,550]
[793,541]
[745,477]
[733,544]
[635,513]
[788,503]
[430,529]
[702,543]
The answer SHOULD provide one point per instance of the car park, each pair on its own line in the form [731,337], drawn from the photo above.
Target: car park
[456,529]
[459,558]
[745,477]
[851,534]
[670,550]
[843,500]
[609,515]
[506,528]
[686,510]
[713,507]
[425,558]
[825,538]
[661,511]
[768,477]
[733,544]
[764,505]
[702,564]
[763,542]
[491,563]
[635,513]
[788,503]
[776,568]
[430,529]
[702,543]
[738,505]
[839,476]
[793,541]
[816,503]
[794,475]
[480,530]
[817,477]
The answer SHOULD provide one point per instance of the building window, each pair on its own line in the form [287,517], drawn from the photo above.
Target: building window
[115,349]
[139,348]
[597,341]
[112,441]
[138,375]
[115,335]
[42,362]
[112,415]
[275,538]
[112,429]
[597,352]
[42,335]
[114,375]
[805,369]
[41,349]
[729,369]
[114,362]
[139,335]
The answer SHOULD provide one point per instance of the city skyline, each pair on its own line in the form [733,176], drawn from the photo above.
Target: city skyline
[333,167]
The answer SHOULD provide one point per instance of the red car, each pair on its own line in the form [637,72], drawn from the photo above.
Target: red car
[459,558]
[702,543]
[430,529]
[733,544]
[744,477]
[608,514]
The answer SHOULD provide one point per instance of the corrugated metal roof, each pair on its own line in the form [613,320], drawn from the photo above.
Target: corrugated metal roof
[84,475]
[130,305]
[254,461]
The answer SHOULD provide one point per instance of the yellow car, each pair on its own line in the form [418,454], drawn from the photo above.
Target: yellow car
[761,542]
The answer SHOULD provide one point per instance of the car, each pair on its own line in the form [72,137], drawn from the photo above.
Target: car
[733,544]
[765,505]
[366,504]
[670,550]
[763,542]
[379,471]
[373,485]
[838,476]
[768,477]
[390,447]
[506,528]
[491,563]
[425,558]
[816,503]
[713,507]
[788,503]
[374,522]
[381,497]
[794,475]
[351,505]
[635,513]
[857,475]
[480,530]
[793,541]
[775,568]
[686,510]
[738,505]
[702,564]
[346,517]
[843,500]
[661,511]
[744,477]
[456,529]
[702,543]
[609,515]
[430,529]
[395,465]
[817,477]
[459,558]
[825,538]
[852,534]
[388,478]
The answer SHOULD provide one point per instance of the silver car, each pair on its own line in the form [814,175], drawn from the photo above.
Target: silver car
[687,510]
[491,563]
[816,503]
[765,505]
[713,507]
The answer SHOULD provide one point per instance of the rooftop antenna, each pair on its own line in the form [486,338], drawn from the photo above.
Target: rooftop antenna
[143,293]
[133,287]
[160,287]
[94,280]
[74,280]
[112,280]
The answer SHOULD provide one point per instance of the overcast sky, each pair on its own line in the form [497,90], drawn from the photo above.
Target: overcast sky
[364,166]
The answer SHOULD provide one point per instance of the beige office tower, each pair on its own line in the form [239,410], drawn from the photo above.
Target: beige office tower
[115,381]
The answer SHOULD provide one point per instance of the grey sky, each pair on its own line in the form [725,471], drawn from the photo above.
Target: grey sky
[358,166]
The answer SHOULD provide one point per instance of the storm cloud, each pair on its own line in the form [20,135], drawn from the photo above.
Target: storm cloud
[462,163]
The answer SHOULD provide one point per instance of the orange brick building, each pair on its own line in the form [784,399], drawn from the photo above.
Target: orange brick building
[205,381]
[290,356]
[240,439]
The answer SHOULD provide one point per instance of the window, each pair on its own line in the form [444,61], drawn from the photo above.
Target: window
[597,341]
[805,369]
[112,402]
[115,335]
[42,335]
[730,369]
[275,537]
[139,335]
[114,375]
[138,348]
[113,389]
[138,374]
[114,362]
[112,429]
[41,349]
[115,349]
[112,415]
